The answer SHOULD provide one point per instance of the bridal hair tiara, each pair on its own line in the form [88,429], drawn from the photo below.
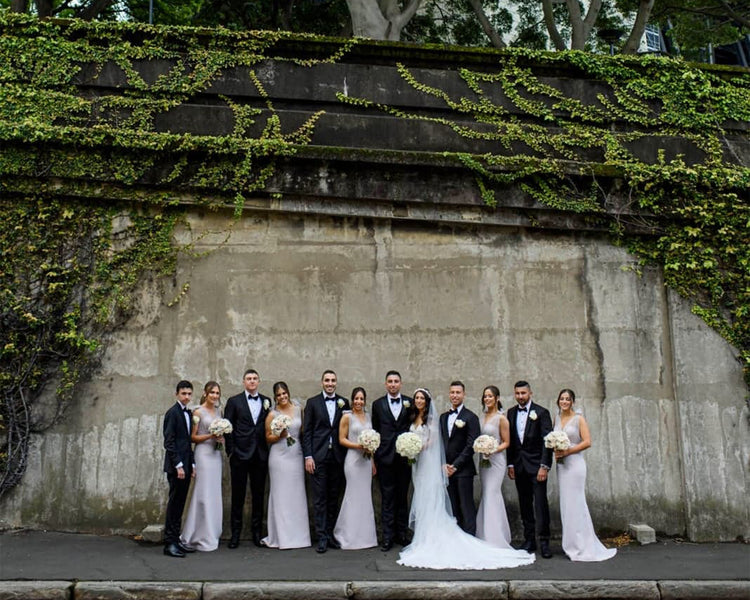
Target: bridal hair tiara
[425,391]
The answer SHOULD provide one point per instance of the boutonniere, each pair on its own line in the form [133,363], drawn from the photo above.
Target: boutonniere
[196,419]
[532,415]
[340,403]
[459,423]
[266,405]
[407,404]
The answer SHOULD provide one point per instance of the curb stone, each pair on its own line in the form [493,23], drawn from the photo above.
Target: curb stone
[704,590]
[35,590]
[277,590]
[583,590]
[435,590]
[128,590]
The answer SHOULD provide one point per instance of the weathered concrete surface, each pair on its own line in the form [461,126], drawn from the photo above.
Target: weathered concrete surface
[704,590]
[277,590]
[417,590]
[137,590]
[292,295]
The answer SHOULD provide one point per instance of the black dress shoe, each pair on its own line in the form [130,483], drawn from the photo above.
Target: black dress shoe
[404,539]
[185,548]
[386,545]
[529,546]
[234,542]
[174,551]
[544,547]
[334,543]
[256,540]
[322,546]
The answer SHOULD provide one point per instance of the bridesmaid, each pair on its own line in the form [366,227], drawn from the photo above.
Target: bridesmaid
[202,528]
[355,526]
[288,525]
[579,539]
[492,520]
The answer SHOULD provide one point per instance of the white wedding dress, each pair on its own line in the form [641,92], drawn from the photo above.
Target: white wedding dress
[439,543]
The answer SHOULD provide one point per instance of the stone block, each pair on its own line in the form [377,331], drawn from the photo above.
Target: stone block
[434,590]
[127,590]
[153,533]
[277,590]
[704,590]
[582,590]
[35,590]
[642,532]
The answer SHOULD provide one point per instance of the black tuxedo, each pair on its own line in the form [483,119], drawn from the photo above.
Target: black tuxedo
[179,451]
[526,459]
[394,471]
[248,458]
[459,452]
[320,440]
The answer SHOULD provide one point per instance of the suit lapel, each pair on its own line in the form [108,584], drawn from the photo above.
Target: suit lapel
[529,422]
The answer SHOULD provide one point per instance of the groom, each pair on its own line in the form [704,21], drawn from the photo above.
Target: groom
[248,454]
[459,428]
[390,418]
[528,464]
[324,457]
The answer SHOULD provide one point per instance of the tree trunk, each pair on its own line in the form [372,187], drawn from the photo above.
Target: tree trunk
[380,20]
[43,8]
[19,6]
[549,21]
[94,9]
[636,33]
[494,36]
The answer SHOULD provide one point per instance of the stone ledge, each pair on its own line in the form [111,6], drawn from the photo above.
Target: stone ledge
[130,590]
[704,590]
[35,590]
[435,590]
[277,590]
[582,590]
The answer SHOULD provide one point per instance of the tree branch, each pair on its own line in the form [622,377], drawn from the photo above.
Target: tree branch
[549,21]
[487,27]
[636,33]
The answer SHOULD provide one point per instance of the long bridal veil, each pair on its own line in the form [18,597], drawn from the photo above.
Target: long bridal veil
[439,543]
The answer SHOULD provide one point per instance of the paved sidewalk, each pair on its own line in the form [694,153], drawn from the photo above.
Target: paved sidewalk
[36,557]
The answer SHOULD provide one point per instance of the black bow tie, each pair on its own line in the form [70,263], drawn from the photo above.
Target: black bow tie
[185,409]
[395,400]
[330,398]
[253,397]
[524,409]
[453,411]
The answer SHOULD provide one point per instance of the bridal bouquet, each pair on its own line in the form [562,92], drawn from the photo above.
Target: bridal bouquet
[409,445]
[485,445]
[557,440]
[369,439]
[279,424]
[219,427]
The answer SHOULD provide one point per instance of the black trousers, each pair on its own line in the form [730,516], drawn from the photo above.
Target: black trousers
[394,492]
[178,492]
[532,498]
[326,485]
[242,470]
[461,495]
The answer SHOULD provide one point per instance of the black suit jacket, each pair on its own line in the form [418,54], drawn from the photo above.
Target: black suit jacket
[388,427]
[248,439]
[177,440]
[317,431]
[459,446]
[532,454]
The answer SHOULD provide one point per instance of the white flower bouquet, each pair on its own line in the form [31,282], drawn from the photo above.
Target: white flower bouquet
[281,423]
[219,427]
[369,439]
[557,440]
[485,445]
[409,445]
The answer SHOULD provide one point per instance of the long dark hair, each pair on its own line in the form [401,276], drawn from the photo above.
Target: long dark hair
[427,401]
[570,392]
[356,391]
[281,385]
[495,392]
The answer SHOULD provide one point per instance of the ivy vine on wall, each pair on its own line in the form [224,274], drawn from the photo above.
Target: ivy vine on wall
[70,262]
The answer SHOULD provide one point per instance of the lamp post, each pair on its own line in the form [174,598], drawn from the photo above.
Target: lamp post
[150,12]
[610,35]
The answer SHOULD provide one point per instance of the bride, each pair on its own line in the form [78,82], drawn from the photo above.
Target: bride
[439,543]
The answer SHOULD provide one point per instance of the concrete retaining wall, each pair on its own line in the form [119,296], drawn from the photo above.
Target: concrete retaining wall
[293,294]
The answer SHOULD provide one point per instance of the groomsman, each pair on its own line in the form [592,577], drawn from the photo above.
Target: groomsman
[528,464]
[248,454]
[324,457]
[390,418]
[459,428]
[178,465]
